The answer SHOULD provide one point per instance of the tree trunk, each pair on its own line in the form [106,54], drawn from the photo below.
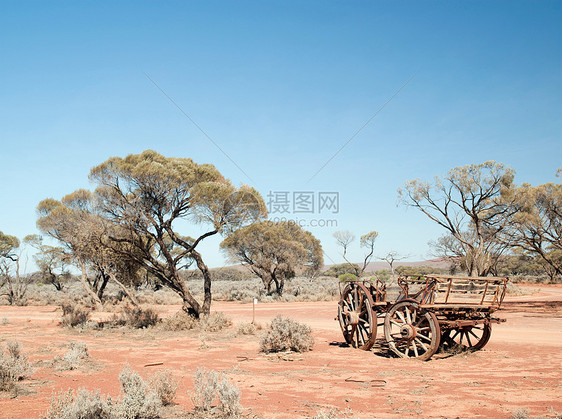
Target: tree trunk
[104,280]
[129,294]
[206,307]
[280,284]
[88,288]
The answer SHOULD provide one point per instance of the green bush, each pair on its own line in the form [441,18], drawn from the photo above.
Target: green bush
[165,386]
[77,352]
[184,321]
[347,277]
[139,401]
[344,268]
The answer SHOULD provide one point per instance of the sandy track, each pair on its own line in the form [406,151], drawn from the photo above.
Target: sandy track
[519,368]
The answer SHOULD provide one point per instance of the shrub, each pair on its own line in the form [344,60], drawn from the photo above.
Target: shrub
[247,329]
[179,321]
[521,414]
[210,386]
[77,352]
[81,404]
[337,270]
[347,277]
[287,335]
[13,366]
[138,401]
[229,398]
[136,317]
[74,315]
[215,322]
[165,386]
[183,321]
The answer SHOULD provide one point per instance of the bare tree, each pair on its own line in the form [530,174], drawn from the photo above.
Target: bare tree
[344,238]
[392,257]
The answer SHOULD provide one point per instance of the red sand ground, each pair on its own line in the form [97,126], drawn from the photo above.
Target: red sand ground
[519,368]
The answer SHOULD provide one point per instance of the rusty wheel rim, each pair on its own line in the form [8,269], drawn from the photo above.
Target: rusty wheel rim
[411,332]
[356,317]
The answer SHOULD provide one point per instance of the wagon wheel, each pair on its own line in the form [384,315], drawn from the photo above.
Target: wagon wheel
[411,332]
[472,338]
[355,314]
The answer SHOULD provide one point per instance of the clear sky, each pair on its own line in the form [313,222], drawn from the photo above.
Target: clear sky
[280,86]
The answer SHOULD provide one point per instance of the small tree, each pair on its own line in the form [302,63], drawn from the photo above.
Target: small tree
[274,251]
[12,284]
[392,257]
[51,261]
[344,238]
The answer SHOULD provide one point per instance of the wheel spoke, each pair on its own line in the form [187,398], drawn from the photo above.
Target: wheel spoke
[421,344]
[415,349]
[401,317]
[427,338]
[361,300]
[472,333]
[408,316]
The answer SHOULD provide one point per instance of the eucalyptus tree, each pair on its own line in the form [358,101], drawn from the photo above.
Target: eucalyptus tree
[52,261]
[12,285]
[76,224]
[151,198]
[274,251]
[536,223]
[468,204]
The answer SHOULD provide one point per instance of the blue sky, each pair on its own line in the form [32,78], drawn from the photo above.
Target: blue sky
[280,86]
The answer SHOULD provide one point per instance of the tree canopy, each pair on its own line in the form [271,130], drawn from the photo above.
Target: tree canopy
[274,251]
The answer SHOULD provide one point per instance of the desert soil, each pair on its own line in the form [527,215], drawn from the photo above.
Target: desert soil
[520,368]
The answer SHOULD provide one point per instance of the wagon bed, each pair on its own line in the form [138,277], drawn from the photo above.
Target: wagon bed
[421,313]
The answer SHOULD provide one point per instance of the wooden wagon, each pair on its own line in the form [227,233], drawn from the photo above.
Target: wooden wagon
[421,313]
